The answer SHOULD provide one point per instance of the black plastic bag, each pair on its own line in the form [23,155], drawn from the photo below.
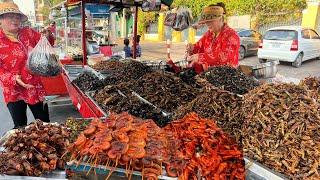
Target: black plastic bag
[42,59]
[151,5]
[170,19]
[183,19]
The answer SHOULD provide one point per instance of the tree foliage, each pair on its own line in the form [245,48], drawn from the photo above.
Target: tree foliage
[45,10]
[262,11]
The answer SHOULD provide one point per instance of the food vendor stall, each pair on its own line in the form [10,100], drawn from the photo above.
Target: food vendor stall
[149,123]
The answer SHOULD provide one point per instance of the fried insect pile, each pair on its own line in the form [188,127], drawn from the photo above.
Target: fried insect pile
[281,129]
[111,99]
[122,140]
[164,90]
[312,84]
[108,66]
[87,81]
[125,71]
[230,79]
[201,149]
[35,149]
[220,105]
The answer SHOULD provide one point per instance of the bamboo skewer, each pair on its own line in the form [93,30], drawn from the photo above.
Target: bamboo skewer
[91,164]
[111,171]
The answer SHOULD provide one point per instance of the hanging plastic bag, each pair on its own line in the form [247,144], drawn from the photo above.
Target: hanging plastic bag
[151,5]
[126,2]
[183,19]
[42,59]
[170,18]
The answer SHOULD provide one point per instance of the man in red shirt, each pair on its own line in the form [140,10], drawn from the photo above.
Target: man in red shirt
[219,45]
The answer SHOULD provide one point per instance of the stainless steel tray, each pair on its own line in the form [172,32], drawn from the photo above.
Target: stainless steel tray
[54,175]
[88,94]
[256,171]
[103,171]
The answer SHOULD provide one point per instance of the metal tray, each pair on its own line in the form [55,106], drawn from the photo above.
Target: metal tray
[103,171]
[88,94]
[54,175]
[165,114]
[256,171]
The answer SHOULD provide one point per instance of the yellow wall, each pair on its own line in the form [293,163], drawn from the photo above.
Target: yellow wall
[161,28]
[192,35]
[176,36]
[310,16]
[151,37]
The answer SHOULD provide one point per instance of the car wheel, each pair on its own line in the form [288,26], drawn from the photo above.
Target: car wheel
[298,62]
[242,52]
[262,60]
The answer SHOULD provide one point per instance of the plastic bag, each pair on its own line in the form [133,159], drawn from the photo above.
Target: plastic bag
[151,5]
[183,19]
[170,18]
[42,59]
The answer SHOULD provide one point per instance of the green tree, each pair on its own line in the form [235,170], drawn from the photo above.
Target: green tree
[262,11]
[48,4]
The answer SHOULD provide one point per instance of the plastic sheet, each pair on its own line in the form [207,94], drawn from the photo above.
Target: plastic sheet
[179,19]
[42,59]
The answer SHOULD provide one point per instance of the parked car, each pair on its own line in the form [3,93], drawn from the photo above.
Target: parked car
[291,44]
[249,42]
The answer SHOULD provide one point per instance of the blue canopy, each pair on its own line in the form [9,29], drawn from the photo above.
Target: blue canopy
[96,10]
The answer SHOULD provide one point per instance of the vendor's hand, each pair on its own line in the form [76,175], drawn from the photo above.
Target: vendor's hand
[47,33]
[189,49]
[193,59]
[21,83]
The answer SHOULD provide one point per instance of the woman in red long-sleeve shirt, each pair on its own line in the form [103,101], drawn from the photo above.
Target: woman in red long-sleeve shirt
[219,45]
[20,87]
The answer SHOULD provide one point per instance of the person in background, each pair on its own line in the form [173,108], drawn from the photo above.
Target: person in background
[126,47]
[138,48]
[20,87]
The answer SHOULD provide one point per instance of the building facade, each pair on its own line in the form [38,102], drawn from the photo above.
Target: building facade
[40,18]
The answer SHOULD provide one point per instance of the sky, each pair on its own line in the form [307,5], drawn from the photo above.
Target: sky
[26,6]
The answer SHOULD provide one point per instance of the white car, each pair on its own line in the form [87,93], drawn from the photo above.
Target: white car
[289,43]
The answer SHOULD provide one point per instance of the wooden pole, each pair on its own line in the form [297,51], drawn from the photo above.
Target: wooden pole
[135,28]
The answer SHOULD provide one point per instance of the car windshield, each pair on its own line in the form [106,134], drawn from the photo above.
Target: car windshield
[282,35]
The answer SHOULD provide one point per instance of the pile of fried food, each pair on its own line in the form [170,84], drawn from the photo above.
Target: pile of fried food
[122,140]
[36,149]
[230,79]
[281,129]
[186,147]
[118,98]
[198,148]
[313,85]
[222,106]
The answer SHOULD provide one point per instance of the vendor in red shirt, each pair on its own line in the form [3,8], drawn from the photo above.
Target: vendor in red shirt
[20,87]
[219,45]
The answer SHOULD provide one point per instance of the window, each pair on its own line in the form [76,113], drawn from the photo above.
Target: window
[245,33]
[282,35]
[305,34]
[313,34]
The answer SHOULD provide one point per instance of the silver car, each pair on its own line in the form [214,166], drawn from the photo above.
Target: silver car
[249,42]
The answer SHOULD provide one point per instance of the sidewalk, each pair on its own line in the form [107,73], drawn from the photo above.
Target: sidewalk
[158,50]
